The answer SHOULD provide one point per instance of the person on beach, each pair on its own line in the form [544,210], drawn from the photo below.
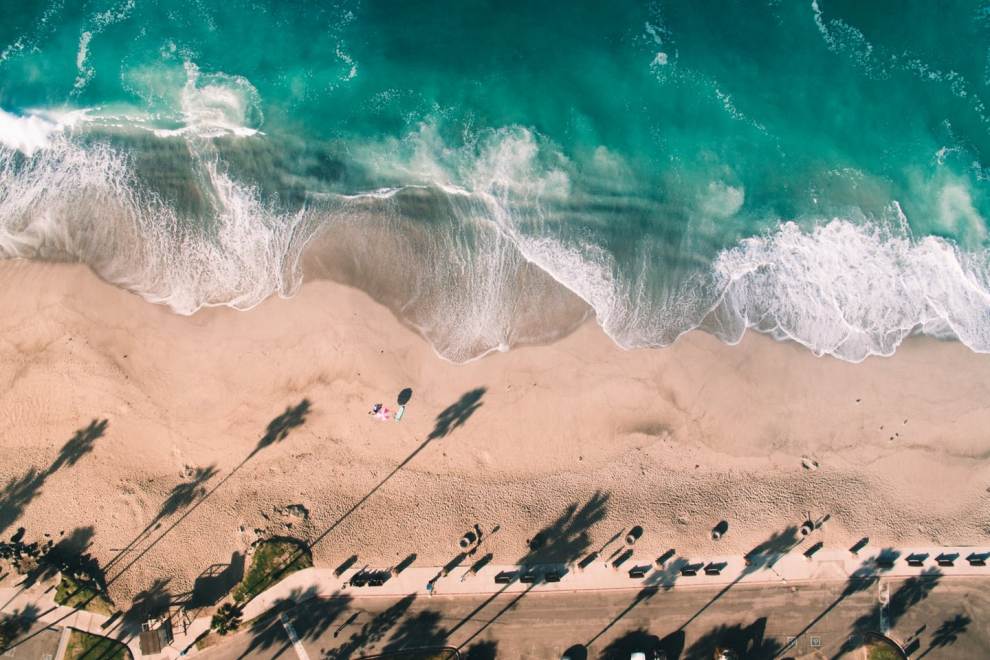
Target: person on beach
[379,411]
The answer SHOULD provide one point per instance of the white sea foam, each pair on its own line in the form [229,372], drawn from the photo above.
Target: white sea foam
[957,215]
[82,203]
[722,200]
[25,134]
[482,277]
[490,263]
[848,41]
[26,42]
[841,287]
[216,104]
[96,24]
[33,131]
[656,33]
[85,72]
[853,290]
[352,70]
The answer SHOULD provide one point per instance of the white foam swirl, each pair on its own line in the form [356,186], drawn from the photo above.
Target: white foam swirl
[853,290]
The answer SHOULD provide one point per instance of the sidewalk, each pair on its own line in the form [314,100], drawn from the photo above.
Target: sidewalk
[51,614]
[826,564]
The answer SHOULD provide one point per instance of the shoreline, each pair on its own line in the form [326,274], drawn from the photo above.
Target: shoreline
[643,436]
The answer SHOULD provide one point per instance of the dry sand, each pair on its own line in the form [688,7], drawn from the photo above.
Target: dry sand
[674,439]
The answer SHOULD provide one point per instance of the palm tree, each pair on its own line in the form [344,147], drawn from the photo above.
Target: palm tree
[227,619]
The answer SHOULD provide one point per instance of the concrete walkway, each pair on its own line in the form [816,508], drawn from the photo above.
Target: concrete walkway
[42,600]
[824,565]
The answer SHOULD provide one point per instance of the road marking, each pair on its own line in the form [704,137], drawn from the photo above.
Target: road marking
[293,637]
[63,642]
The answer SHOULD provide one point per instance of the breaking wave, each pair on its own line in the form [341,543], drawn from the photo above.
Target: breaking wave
[73,203]
[474,246]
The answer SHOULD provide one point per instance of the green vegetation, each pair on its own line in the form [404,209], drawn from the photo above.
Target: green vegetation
[227,619]
[82,592]
[207,640]
[880,650]
[273,560]
[85,645]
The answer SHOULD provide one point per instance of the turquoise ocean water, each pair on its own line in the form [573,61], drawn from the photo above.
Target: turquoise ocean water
[496,172]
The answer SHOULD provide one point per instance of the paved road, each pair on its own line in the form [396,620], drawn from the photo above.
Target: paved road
[759,621]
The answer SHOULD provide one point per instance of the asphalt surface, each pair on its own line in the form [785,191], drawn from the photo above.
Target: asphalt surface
[42,644]
[938,617]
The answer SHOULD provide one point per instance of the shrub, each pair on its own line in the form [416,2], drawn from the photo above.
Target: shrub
[273,560]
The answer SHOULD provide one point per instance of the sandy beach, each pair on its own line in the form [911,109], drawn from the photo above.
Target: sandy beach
[762,435]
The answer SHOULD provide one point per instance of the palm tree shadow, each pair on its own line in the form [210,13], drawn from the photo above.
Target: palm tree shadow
[419,631]
[79,445]
[187,495]
[449,419]
[861,579]
[457,413]
[19,492]
[763,556]
[372,632]
[948,633]
[279,428]
[268,632]
[567,538]
[911,592]
[559,543]
[182,495]
[185,492]
[148,603]
[746,641]
[624,646]
[69,554]
[191,495]
[15,624]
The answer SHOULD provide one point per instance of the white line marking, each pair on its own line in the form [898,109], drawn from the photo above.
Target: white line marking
[293,637]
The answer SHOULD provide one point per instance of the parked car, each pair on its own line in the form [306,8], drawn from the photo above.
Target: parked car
[648,655]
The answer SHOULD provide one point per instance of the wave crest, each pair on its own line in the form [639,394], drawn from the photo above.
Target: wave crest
[852,290]
[70,202]
[491,246]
